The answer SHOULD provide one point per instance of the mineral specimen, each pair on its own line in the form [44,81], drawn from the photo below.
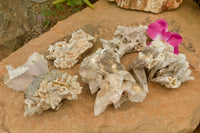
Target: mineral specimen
[158,63]
[47,91]
[106,76]
[66,55]
[127,39]
[19,78]
[154,6]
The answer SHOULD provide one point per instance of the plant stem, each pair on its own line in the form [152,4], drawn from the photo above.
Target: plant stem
[58,2]
[87,2]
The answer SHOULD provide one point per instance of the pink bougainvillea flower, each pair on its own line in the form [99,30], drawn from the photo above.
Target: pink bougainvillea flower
[159,31]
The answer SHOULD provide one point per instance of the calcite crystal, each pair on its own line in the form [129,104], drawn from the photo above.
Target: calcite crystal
[106,76]
[20,78]
[127,39]
[154,6]
[66,55]
[47,91]
[158,63]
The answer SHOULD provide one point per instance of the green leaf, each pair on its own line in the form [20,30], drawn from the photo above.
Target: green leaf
[71,3]
[74,3]
[87,2]
[60,7]
[46,22]
[58,2]
[78,2]
[46,13]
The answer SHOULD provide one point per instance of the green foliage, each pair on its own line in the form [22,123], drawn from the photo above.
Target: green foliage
[75,10]
[60,7]
[74,3]
[58,2]
[46,13]
[59,11]
[46,22]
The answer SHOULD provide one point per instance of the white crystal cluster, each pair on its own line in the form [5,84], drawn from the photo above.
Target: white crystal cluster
[158,63]
[106,76]
[66,55]
[48,90]
[19,78]
[127,39]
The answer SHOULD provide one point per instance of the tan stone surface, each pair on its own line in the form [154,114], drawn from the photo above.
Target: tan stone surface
[163,111]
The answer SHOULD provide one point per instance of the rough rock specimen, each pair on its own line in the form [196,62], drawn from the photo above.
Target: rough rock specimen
[106,76]
[20,78]
[158,63]
[154,6]
[48,90]
[127,39]
[66,55]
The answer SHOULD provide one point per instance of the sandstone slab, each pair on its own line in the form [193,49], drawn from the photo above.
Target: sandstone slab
[163,111]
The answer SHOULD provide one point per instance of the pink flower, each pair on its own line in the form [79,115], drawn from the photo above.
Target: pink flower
[159,31]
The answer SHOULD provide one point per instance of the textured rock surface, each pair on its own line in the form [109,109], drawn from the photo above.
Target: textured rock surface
[15,21]
[66,55]
[154,6]
[113,84]
[158,63]
[127,40]
[19,78]
[163,110]
[48,90]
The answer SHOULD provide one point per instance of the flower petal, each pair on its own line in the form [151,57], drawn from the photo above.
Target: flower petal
[175,39]
[163,24]
[165,35]
[154,29]
[176,50]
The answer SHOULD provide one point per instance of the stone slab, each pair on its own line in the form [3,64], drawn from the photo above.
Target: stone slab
[163,111]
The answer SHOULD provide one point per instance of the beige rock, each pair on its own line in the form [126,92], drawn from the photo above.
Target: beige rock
[66,55]
[48,90]
[113,84]
[127,40]
[158,63]
[154,6]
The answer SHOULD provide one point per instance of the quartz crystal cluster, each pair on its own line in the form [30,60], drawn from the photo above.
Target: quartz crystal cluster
[66,55]
[127,39]
[47,91]
[158,63]
[106,76]
[19,78]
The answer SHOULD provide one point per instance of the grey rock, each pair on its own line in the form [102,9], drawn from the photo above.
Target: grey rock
[50,76]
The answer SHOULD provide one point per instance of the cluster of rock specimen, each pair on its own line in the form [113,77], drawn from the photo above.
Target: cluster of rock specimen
[106,76]
[158,63]
[102,71]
